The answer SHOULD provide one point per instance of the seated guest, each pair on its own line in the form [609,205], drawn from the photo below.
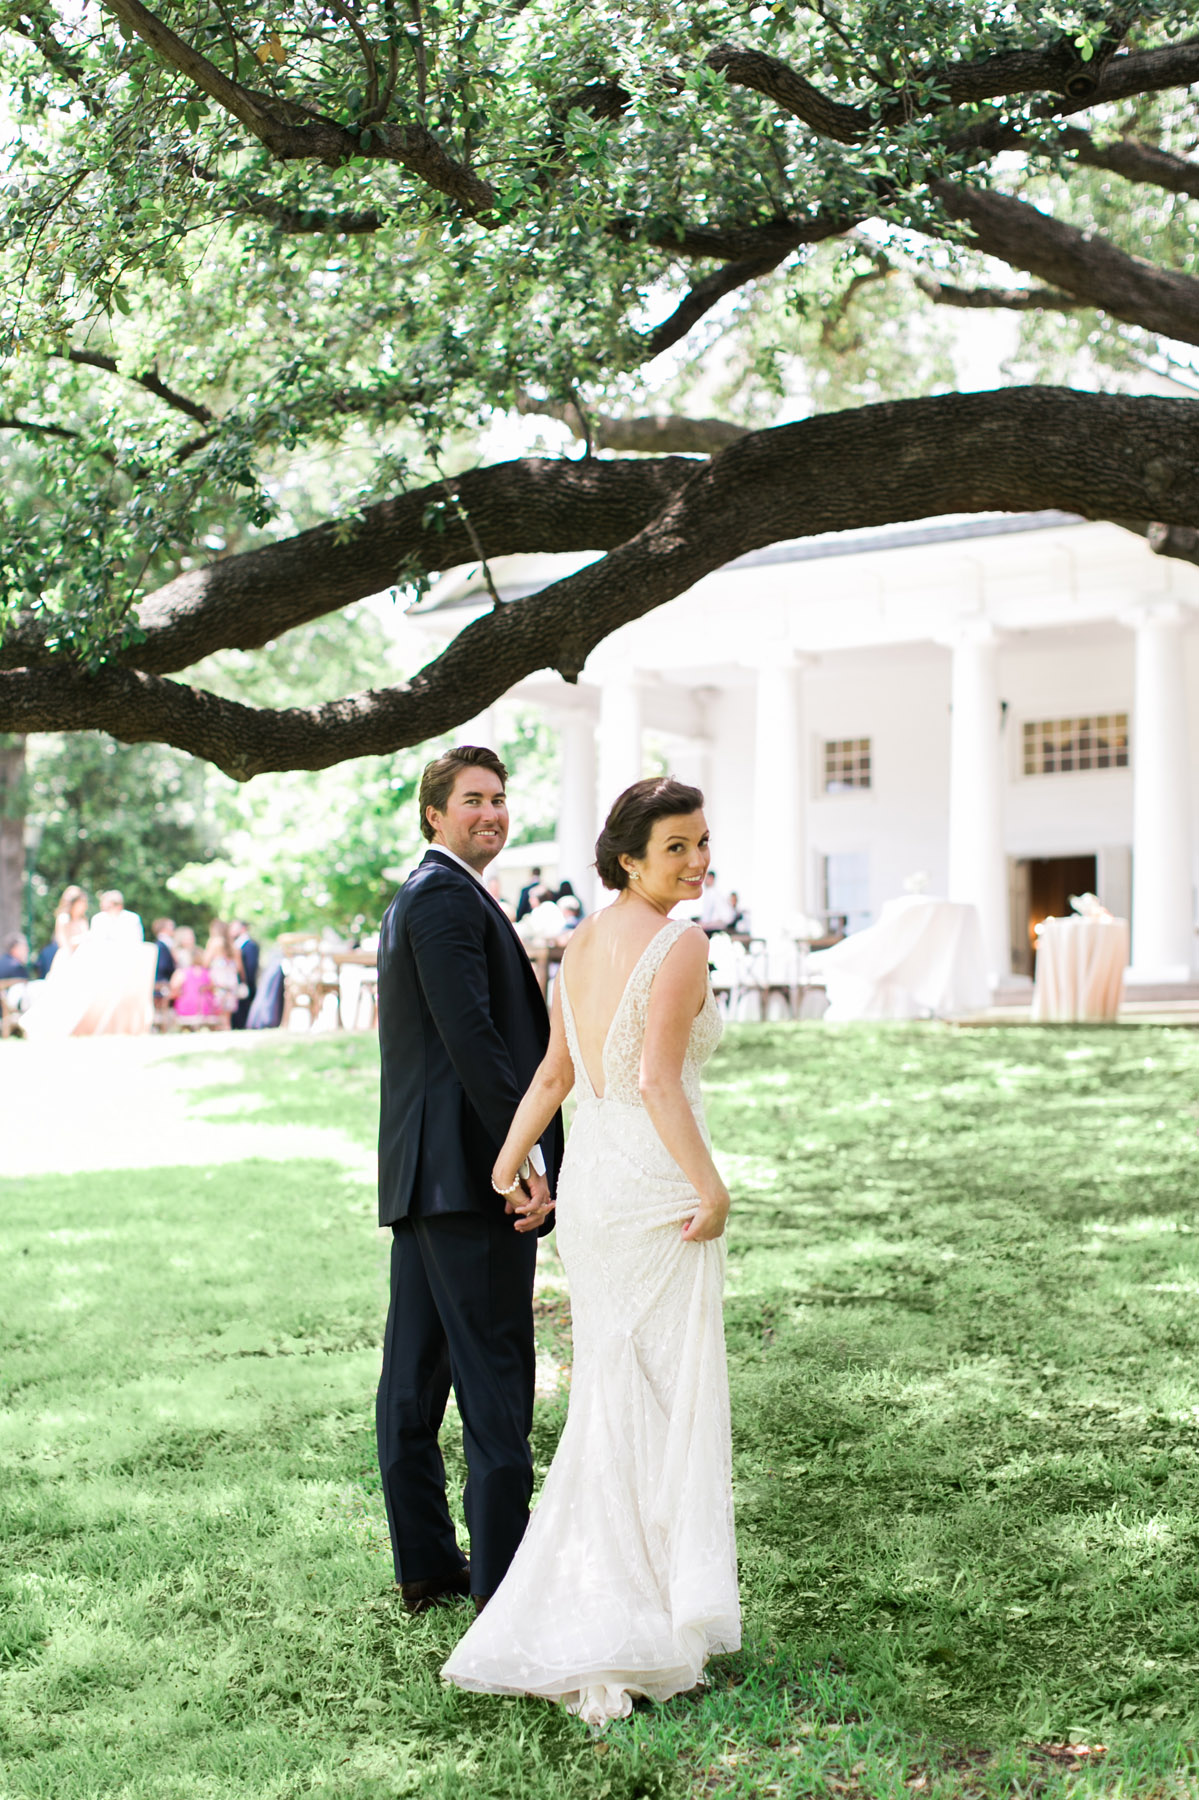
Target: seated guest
[544,921]
[738,920]
[571,910]
[163,932]
[14,958]
[715,913]
[566,892]
[45,957]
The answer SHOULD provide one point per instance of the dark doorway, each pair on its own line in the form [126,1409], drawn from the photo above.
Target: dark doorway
[1051,881]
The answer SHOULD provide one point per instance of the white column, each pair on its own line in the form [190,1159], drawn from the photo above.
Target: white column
[977,866]
[1162,905]
[780,797]
[691,762]
[619,739]
[577,827]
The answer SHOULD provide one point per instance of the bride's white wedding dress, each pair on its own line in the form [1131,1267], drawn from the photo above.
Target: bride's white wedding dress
[626,1580]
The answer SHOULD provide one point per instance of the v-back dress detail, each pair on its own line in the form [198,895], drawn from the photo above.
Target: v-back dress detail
[626,1579]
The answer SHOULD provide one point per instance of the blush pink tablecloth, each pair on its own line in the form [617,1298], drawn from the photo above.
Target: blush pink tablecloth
[1080,969]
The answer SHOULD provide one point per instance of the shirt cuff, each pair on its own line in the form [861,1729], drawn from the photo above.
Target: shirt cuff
[537,1160]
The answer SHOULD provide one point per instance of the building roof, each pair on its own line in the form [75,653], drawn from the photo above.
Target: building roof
[517,576]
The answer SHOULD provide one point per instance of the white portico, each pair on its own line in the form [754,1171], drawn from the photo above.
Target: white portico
[1008,706]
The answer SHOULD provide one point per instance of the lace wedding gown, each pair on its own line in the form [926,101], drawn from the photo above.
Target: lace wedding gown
[626,1579]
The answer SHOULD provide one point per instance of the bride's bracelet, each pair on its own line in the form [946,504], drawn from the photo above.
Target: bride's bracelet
[521,1175]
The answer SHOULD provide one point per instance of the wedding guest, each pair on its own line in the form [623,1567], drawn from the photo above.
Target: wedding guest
[14,958]
[247,949]
[191,985]
[544,921]
[14,973]
[163,931]
[70,920]
[566,892]
[524,905]
[114,924]
[223,961]
[715,912]
[45,957]
[571,910]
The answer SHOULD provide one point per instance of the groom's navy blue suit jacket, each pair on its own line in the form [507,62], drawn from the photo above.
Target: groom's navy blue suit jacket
[462,1028]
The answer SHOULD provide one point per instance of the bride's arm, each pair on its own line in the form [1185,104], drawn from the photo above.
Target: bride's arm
[548,1089]
[676,996]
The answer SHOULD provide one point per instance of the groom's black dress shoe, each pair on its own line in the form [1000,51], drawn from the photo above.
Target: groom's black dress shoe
[437,1590]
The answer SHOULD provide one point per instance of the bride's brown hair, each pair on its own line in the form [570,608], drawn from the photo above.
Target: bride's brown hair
[629,825]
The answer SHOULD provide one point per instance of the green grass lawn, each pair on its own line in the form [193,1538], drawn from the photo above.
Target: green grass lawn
[962,1333]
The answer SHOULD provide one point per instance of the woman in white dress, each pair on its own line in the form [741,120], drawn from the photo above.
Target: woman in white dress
[626,1580]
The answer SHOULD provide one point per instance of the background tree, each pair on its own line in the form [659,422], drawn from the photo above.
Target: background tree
[273,280]
[297,850]
[115,815]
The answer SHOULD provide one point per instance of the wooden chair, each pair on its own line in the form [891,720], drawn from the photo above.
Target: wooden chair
[309,976]
[164,1014]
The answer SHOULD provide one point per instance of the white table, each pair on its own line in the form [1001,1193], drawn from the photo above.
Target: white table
[1080,969]
[923,958]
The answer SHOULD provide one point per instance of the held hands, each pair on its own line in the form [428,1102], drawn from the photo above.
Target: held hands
[533,1205]
[708,1221]
[525,1194]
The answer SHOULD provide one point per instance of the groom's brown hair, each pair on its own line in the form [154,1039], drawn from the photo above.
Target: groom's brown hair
[437,781]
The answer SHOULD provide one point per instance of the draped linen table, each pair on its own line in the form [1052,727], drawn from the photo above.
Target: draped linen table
[1080,969]
[923,958]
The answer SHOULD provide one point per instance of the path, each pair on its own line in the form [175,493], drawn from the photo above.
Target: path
[125,1103]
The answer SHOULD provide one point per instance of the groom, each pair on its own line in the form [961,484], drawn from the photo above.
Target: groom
[462,1027]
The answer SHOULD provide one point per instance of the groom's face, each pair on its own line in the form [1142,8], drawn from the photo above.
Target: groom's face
[474,824]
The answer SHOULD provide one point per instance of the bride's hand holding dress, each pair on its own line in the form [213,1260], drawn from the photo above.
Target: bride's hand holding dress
[679,993]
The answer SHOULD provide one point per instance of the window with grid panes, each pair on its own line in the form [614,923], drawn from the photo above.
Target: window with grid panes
[846,765]
[1065,746]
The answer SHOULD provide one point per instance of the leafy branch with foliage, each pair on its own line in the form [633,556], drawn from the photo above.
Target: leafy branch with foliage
[269,280]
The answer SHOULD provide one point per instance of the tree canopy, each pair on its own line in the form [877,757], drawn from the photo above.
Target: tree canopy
[271,280]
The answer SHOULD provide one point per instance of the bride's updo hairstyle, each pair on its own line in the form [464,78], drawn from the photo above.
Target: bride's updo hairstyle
[629,826]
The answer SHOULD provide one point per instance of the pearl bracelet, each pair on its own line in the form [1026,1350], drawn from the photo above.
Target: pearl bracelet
[522,1174]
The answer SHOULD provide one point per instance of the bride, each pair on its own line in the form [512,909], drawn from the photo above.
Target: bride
[626,1580]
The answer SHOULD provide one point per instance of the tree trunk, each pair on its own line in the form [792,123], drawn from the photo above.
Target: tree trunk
[12,835]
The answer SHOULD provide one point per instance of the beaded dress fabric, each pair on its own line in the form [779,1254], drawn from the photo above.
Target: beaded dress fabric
[626,1580]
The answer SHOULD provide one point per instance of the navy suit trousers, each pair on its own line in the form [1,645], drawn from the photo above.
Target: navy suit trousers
[461,1315]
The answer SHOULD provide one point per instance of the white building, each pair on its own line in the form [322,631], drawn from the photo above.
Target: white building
[1009,704]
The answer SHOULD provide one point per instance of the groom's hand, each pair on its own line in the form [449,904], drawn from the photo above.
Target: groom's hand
[533,1205]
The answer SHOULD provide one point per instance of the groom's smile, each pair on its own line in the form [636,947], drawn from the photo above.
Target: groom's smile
[474,824]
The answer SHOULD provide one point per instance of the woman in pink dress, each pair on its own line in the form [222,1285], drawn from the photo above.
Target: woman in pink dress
[191,987]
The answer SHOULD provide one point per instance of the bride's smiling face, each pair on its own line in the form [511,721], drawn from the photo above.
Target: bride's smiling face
[675,862]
